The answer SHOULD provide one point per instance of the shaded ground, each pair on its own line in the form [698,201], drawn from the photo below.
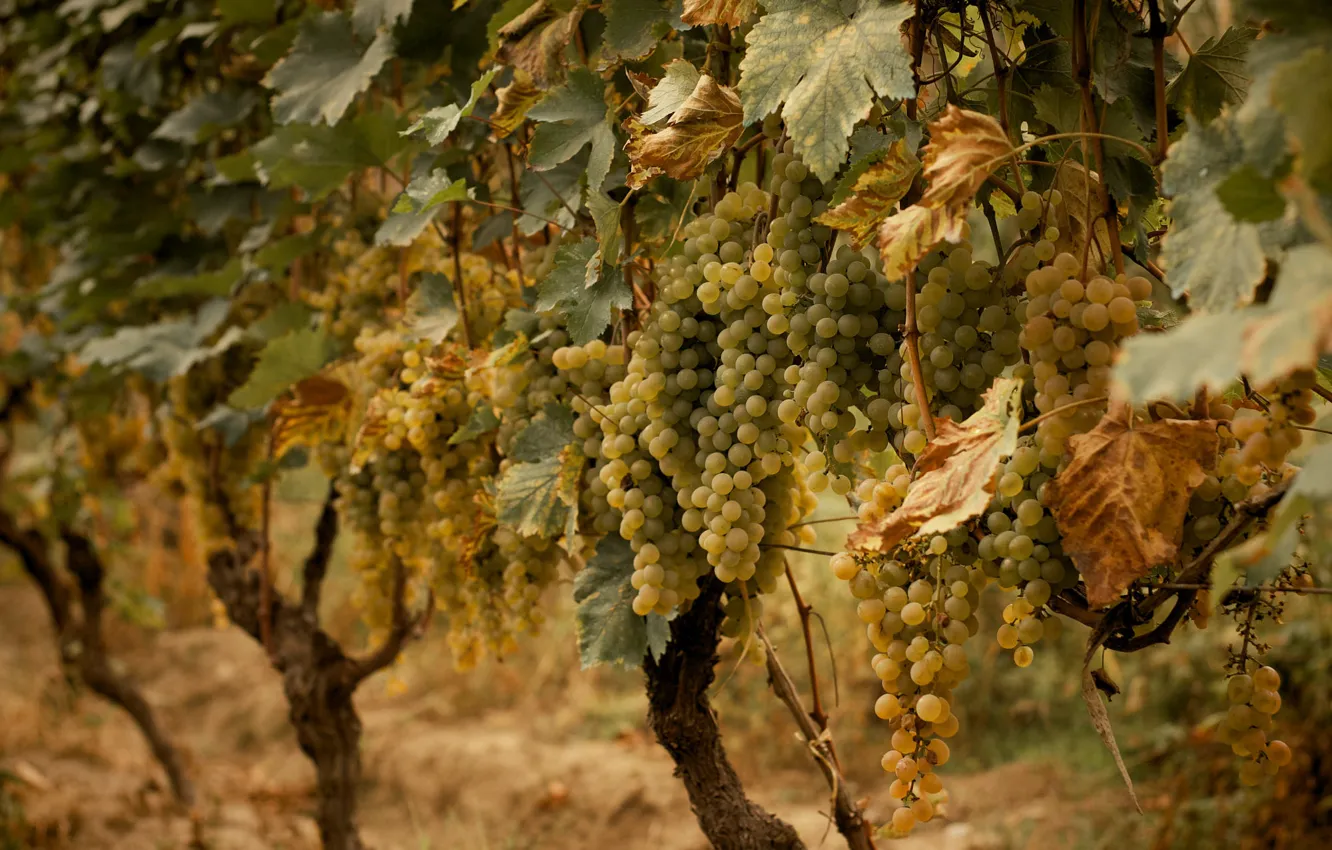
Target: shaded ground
[442,770]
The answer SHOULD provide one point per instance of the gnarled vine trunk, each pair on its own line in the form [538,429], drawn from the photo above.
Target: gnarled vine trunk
[681,716]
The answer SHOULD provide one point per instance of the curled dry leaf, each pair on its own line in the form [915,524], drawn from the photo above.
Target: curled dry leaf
[535,40]
[964,149]
[875,194]
[1078,186]
[732,13]
[956,474]
[1120,502]
[514,101]
[703,128]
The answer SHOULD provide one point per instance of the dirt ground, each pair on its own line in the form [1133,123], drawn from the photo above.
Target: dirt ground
[441,770]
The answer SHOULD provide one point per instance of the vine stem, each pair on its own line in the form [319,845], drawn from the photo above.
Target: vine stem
[803,610]
[1082,71]
[1157,32]
[1001,72]
[461,289]
[1261,588]
[912,334]
[796,549]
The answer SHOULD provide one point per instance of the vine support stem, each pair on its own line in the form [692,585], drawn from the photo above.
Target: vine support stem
[1157,30]
[1001,74]
[803,610]
[1082,72]
[458,283]
[912,335]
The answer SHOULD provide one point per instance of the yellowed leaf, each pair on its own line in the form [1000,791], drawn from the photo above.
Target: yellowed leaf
[874,195]
[732,13]
[964,149]
[316,413]
[955,475]
[1120,502]
[535,41]
[514,101]
[702,129]
[1079,187]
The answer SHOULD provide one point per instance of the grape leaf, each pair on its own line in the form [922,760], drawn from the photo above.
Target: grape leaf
[316,412]
[481,421]
[325,71]
[544,436]
[1214,259]
[868,146]
[1264,343]
[606,217]
[633,27]
[441,121]
[536,498]
[874,195]
[1301,90]
[1216,74]
[515,100]
[319,159]
[573,117]
[732,13]
[551,195]
[165,349]
[215,283]
[284,361]
[956,475]
[534,40]
[1120,502]
[205,114]
[587,309]
[433,312]
[671,91]
[369,15]
[702,129]
[825,65]
[1249,196]
[1081,192]
[609,632]
[417,205]
[964,149]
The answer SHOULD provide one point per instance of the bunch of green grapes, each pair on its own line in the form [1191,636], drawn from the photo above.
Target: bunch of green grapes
[1022,552]
[360,288]
[1253,699]
[689,437]
[588,372]
[521,388]
[919,611]
[968,326]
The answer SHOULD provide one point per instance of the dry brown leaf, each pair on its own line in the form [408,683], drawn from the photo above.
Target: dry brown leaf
[732,13]
[964,149]
[956,474]
[535,41]
[317,412]
[1120,502]
[874,195]
[1078,185]
[702,129]
[514,101]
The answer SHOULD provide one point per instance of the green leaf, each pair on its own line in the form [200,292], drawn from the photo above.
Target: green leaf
[670,93]
[552,195]
[482,421]
[325,71]
[633,27]
[868,146]
[1213,258]
[166,349]
[285,317]
[825,65]
[609,632]
[606,216]
[574,116]
[440,122]
[1249,196]
[284,362]
[587,309]
[1217,74]
[319,159]
[205,115]
[417,205]
[546,436]
[1302,90]
[233,12]
[1264,343]
[215,283]
[433,310]
[536,498]
[369,15]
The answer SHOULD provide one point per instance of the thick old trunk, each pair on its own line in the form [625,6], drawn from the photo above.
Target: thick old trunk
[682,719]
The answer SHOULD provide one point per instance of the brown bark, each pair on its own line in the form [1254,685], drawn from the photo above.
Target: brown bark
[682,719]
[79,636]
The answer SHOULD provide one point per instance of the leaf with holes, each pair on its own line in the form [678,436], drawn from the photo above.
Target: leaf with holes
[874,195]
[325,71]
[825,64]
[956,475]
[609,632]
[1120,502]
[702,129]
[964,149]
